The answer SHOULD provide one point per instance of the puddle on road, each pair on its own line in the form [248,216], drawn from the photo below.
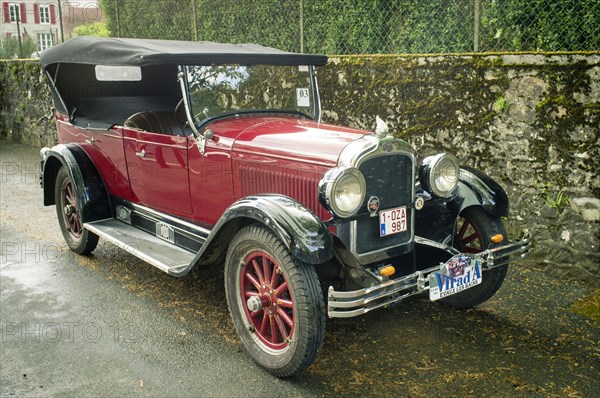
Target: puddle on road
[33,264]
[30,274]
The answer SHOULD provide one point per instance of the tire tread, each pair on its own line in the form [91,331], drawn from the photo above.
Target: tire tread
[492,279]
[310,316]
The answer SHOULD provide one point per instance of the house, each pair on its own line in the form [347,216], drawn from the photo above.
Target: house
[45,22]
[37,20]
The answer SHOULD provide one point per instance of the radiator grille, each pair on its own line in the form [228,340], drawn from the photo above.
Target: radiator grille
[390,178]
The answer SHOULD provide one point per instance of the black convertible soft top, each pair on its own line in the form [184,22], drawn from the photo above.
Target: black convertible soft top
[143,52]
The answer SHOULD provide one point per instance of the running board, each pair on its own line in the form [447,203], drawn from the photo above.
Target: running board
[160,253]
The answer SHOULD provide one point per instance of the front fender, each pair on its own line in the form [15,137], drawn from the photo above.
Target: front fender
[90,190]
[300,230]
[478,188]
[475,188]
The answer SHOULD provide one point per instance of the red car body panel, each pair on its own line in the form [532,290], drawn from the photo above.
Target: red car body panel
[211,179]
[106,152]
[158,170]
[249,155]
[289,138]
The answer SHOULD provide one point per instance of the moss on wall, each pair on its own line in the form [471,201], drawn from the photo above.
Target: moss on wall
[25,98]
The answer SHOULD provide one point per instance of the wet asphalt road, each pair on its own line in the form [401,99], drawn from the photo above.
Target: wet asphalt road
[110,325]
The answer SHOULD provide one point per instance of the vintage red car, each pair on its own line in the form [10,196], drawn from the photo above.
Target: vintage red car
[194,153]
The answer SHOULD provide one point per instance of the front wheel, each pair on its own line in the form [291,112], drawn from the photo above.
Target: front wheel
[473,232]
[68,211]
[275,302]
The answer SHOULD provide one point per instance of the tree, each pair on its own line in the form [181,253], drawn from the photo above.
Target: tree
[10,48]
[98,29]
[151,19]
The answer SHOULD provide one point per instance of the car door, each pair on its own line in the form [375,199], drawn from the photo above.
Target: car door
[157,165]
[105,149]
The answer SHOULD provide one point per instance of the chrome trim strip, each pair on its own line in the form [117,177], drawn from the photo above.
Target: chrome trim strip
[183,84]
[357,149]
[317,96]
[180,231]
[176,222]
[347,304]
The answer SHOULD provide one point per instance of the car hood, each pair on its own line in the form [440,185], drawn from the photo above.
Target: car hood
[294,139]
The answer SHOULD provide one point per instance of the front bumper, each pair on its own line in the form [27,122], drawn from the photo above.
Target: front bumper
[347,304]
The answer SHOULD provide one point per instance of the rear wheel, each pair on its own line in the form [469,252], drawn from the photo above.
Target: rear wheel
[79,239]
[473,232]
[275,302]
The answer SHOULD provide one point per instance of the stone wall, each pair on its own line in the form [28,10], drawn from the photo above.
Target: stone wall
[25,98]
[530,121]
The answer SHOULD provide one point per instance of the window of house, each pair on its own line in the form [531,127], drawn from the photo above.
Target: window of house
[44,41]
[14,10]
[44,14]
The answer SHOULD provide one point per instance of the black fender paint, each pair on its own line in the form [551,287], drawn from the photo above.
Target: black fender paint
[489,194]
[475,188]
[300,230]
[92,196]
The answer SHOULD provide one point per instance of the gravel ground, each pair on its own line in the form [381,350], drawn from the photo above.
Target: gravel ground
[111,325]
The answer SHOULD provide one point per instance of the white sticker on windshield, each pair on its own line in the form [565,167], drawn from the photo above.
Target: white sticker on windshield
[302,68]
[302,97]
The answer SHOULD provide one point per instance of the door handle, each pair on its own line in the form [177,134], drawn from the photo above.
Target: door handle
[141,154]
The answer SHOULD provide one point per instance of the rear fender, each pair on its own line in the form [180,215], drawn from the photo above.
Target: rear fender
[91,192]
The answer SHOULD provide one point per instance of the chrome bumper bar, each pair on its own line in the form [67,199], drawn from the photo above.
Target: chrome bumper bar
[347,304]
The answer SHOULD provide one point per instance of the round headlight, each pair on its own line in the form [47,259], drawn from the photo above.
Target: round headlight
[343,191]
[439,174]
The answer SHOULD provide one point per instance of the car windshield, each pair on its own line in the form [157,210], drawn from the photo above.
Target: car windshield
[215,90]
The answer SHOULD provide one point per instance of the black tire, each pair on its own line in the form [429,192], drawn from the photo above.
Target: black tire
[301,302]
[79,239]
[484,226]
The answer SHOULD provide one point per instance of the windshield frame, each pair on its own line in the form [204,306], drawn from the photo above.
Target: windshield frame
[316,105]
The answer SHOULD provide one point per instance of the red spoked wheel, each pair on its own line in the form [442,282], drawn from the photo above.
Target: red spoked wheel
[269,305]
[275,302]
[472,234]
[68,203]
[467,237]
[68,211]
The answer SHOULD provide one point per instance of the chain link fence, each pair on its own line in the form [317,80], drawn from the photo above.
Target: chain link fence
[366,26]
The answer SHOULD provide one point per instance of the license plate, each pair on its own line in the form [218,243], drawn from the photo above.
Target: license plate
[392,221]
[458,274]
